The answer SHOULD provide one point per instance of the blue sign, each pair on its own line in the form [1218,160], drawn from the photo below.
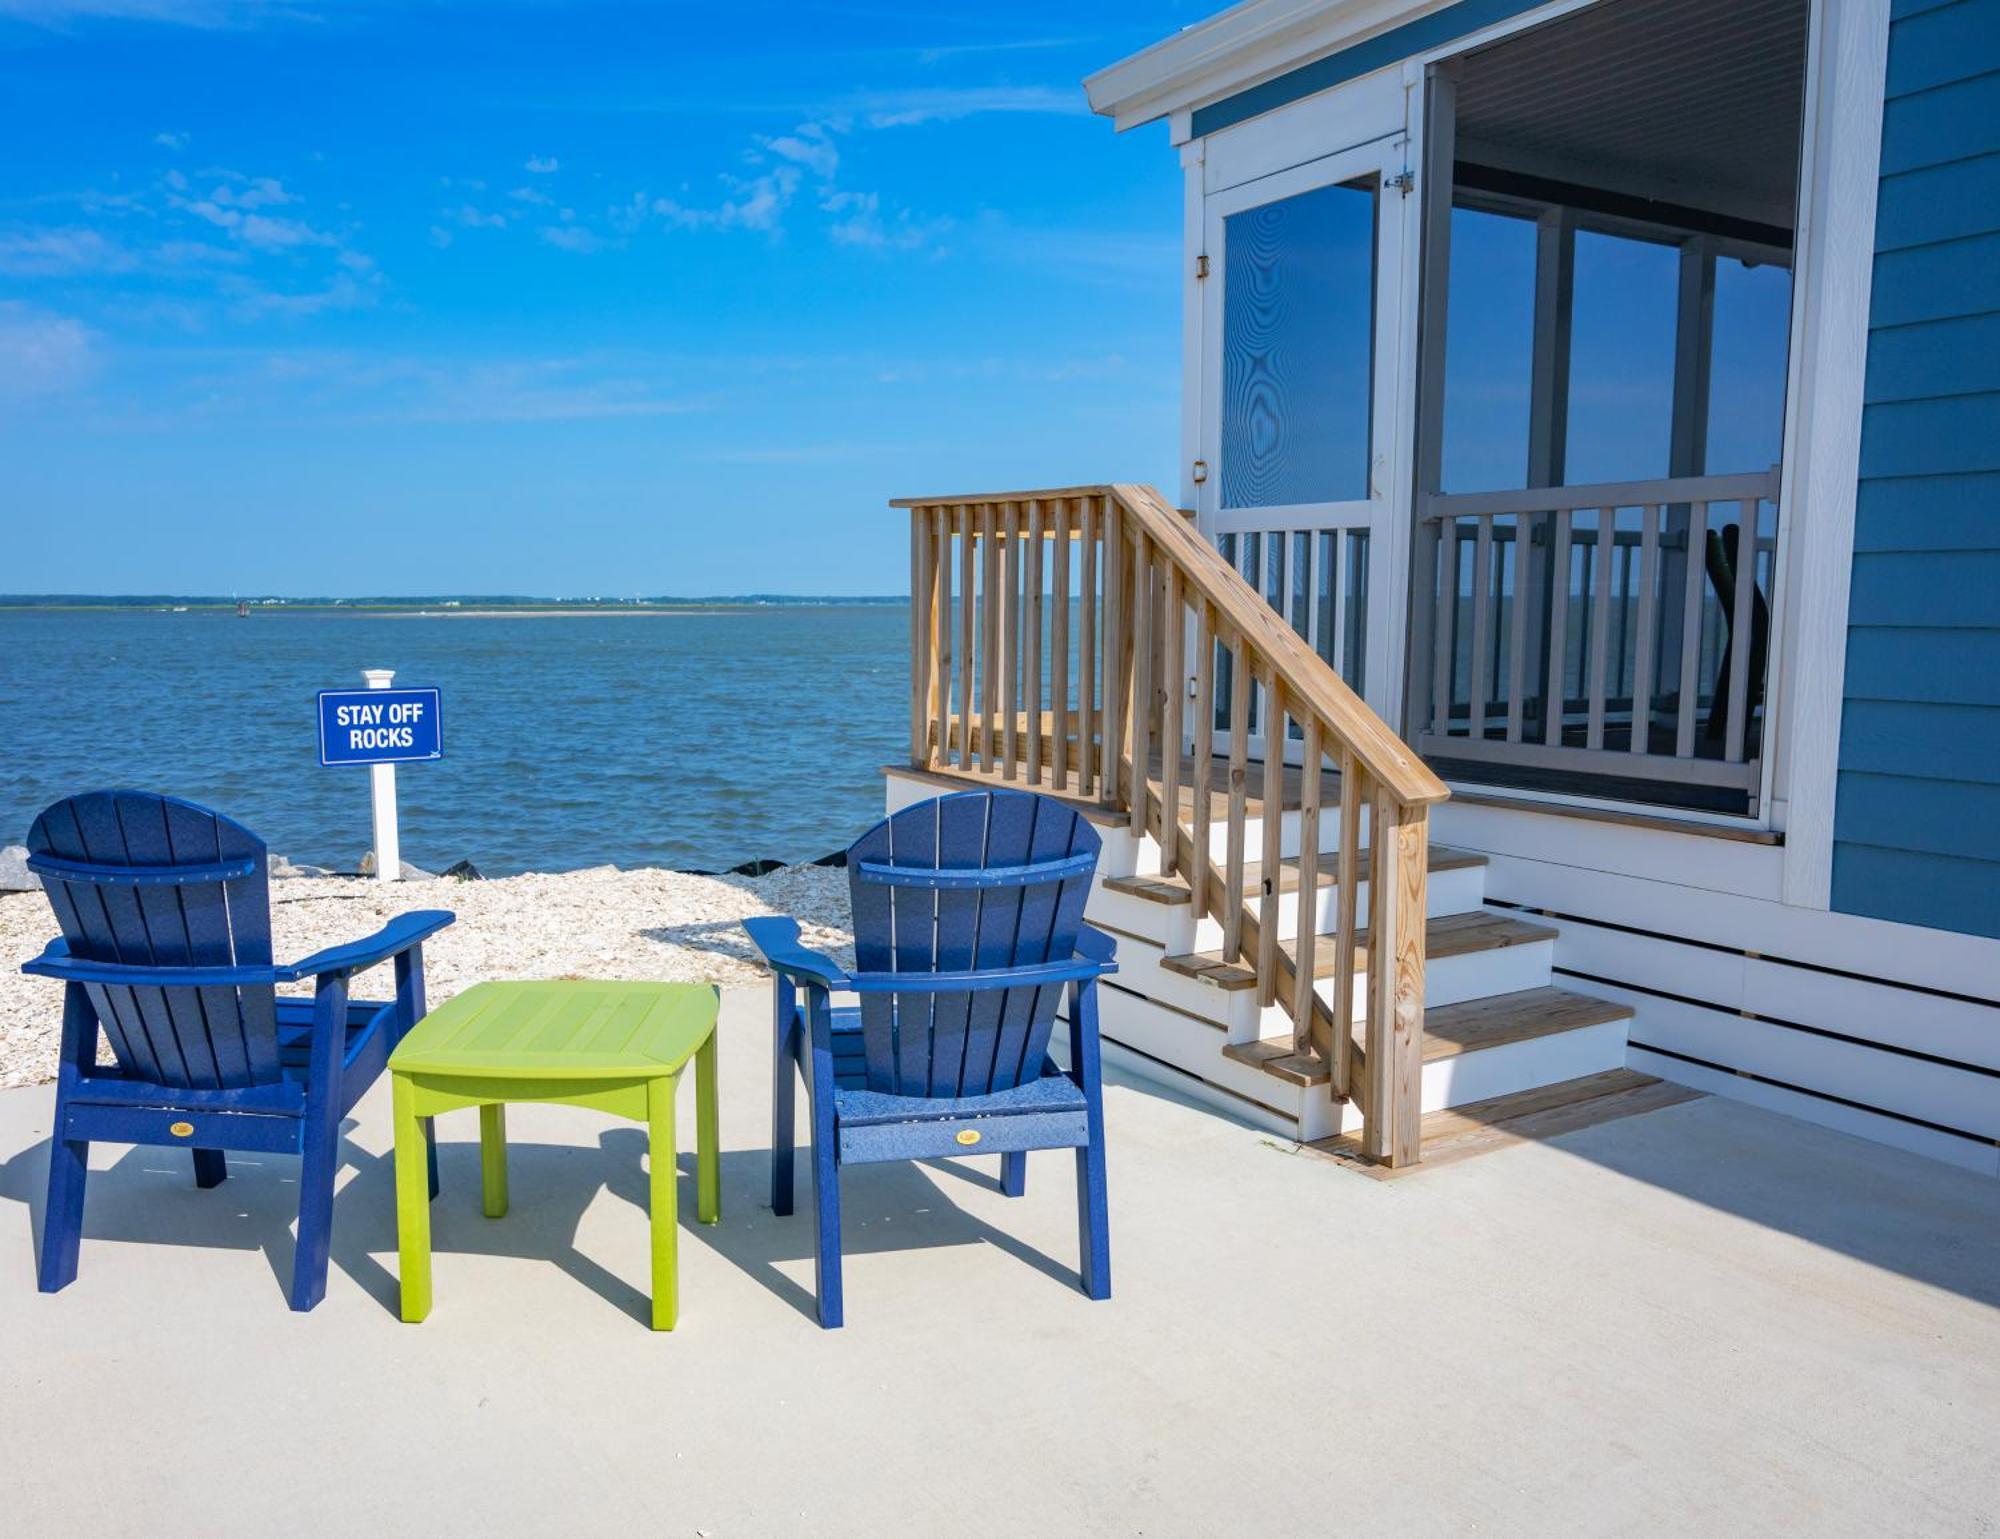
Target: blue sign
[379,726]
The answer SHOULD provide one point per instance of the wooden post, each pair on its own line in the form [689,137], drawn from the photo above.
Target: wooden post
[923,637]
[1204,751]
[1086,665]
[941,629]
[1059,641]
[1173,676]
[1303,997]
[1345,912]
[1142,679]
[967,589]
[1271,858]
[989,638]
[1116,646]
[1239,775]
[1033,677]
[1394,1133]
[1010,587]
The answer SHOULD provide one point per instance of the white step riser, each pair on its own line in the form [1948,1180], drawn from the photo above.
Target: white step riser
[1196,1051]
[1447,981]
[1461,890]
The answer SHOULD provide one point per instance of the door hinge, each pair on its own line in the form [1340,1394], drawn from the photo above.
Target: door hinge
[1200,471]
[1404,181]
[1201,266]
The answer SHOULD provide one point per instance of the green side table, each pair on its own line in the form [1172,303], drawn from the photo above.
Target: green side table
[616,1047]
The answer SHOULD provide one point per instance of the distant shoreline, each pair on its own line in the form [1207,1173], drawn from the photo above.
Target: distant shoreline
[434,610]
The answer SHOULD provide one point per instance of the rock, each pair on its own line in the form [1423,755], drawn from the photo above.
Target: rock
[756,868]
[282,868]
[14,873]
[408,872]
[465,871]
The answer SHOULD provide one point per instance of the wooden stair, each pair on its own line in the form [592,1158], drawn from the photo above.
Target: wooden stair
[1449,936]
[1498,1020]
[1174,890]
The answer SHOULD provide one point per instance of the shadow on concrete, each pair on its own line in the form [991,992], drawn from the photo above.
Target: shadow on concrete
[148,1196]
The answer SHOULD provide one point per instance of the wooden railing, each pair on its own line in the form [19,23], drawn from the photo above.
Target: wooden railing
[1615,632]
[1083,641]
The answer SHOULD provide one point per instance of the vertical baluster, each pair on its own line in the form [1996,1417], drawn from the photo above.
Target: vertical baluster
[1741,631]
[1239,776]
[1347,869]
[1059,519]
[989,637]
[1086,647]
[967,594]
[1517,624]
[1173,678]
[1032,677]
[1142,678]
[1555,691]
[1695,571]
[1600,624]
[1010,629]
[921,640]
[1273,813]
[1204,751]
[1482,627]
[1307,930]
[1117,628]
[1445,628]
[941,627]
[1395,982]
[1642,662]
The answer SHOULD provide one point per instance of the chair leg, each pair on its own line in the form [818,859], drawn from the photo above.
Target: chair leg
[1093,1221]
[319,1158]
[1014,1173]
[62,1218]
[211,1168]
[784,1090]
[826,1233]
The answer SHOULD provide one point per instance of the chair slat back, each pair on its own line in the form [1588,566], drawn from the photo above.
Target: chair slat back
[150,880]
[974,881]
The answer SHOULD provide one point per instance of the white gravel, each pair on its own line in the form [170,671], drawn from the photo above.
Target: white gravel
[600,923]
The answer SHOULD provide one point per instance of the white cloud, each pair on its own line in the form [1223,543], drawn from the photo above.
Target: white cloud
[531,195]
[809,145]
[571,237]
[41,353]
[902,109]
[167,141]
[343,293]
[859,221]
[50,252]
[469,217]
[541,165]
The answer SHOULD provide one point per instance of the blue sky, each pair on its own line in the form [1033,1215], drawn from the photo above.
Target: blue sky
[562,299]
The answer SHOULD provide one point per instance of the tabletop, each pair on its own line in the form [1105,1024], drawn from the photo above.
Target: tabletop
[562,1030]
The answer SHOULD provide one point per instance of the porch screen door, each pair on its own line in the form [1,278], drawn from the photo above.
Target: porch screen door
[1299,412]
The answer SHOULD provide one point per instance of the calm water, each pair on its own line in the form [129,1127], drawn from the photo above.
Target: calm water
[692,741]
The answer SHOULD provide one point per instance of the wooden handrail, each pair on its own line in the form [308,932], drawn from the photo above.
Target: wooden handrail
[1116,693]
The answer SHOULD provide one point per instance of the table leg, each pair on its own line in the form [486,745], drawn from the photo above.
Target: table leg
[413,1206]
[663,1207]
[708,1135]
[493,1159]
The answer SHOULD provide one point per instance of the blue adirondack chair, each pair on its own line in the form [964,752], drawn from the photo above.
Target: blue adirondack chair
[968,929]
[166,944]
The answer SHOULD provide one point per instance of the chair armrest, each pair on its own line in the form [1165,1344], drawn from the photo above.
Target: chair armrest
[394,938]
[1094,945]
[777,941]
[56,962]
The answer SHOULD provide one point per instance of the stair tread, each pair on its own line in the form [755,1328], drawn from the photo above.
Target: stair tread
[1175,890]
[1446,935]
[1497,1020]
[1547,1111]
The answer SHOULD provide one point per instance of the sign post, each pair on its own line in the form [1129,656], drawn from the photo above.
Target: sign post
[382,797]
[381,727]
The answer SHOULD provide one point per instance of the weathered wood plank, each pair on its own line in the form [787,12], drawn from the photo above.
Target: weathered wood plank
[1087,649]
[1204,751]
[1273,816]
[1303,998]
[1060,518]
[1239,773]
[1348,862]
[1032,677]
[1142,679]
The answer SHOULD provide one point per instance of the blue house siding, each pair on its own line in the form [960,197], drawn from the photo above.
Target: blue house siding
[1917,823]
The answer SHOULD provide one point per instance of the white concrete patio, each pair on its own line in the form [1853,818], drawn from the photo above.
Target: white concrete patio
[1708,1319]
